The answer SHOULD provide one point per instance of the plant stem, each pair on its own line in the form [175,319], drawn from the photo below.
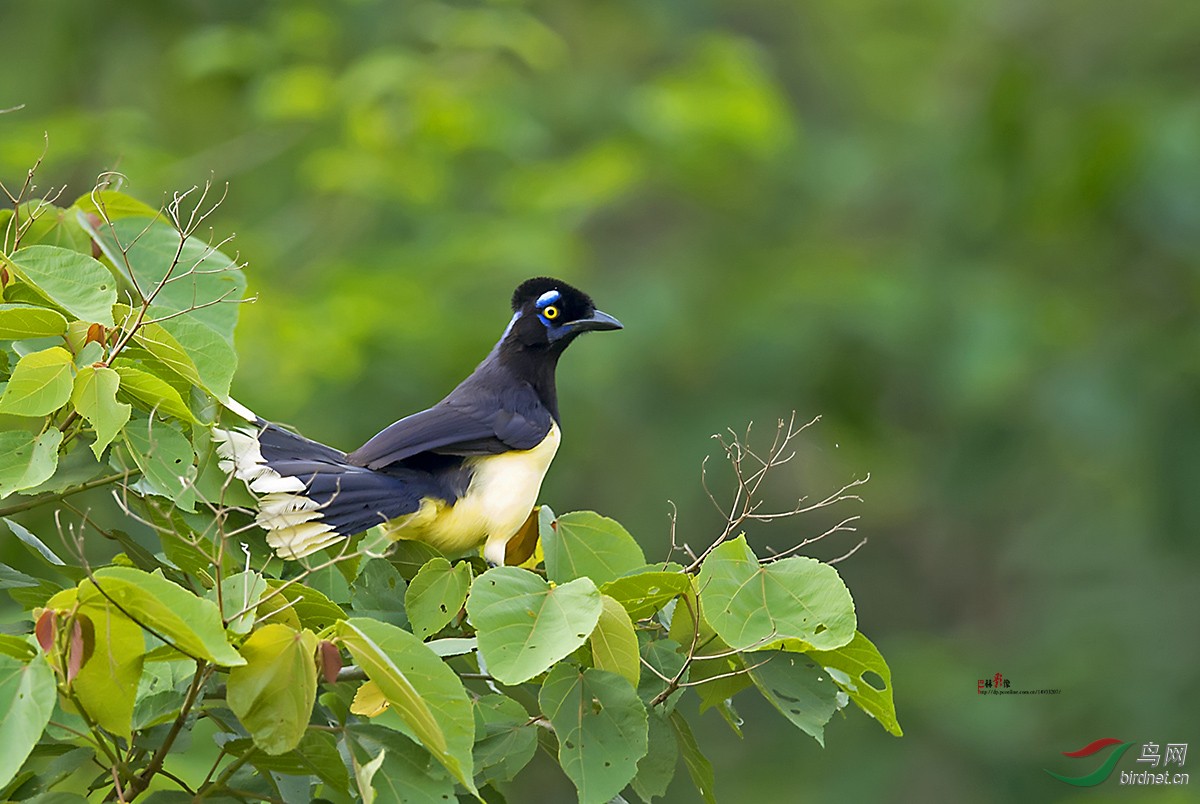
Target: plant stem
[139,784]
[62,495]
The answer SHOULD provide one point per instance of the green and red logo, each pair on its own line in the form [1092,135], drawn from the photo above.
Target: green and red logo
[1099,774]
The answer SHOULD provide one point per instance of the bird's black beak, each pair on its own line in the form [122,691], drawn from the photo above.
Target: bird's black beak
[596,322]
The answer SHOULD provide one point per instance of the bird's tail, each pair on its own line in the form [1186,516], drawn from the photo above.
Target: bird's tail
[309,497]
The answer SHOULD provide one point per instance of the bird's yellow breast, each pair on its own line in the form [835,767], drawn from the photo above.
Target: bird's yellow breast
[503,490]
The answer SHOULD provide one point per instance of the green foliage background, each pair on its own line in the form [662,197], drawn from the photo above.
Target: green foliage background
[965,234]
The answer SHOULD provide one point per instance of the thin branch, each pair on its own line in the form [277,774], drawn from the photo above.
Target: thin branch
[139,784]
[739,672]
[62,495]
[851,552]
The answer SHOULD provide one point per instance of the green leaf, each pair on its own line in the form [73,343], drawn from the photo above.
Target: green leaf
[190,623]
[406,772]
[453,646]
[274,691]
[153,393]
[27,698]
[26,460]
[52,225]
[162,345]
[667,658]
[436,595]
[409,556]
[365,771]
[95,397]
[313,609]
[213,355]
[525,625]
[419,687]
[39,550]
[505,740]
[601,727]
[73,281]
[798,687]
[656,770]
[18,321]
[76,759]
[41,383]
[164,456]
[111,205]
[75,467]
[199,274]
[614,643]
[16,647]
[240,594]
[756,607]
[107,683]
[316,755]
[161,691]
[646,592]
[849,666]
[583,544]
[379,591]
[699,768]
[715,679]
[203,283]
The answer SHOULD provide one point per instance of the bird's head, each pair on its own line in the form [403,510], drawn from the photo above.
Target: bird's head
[549,314]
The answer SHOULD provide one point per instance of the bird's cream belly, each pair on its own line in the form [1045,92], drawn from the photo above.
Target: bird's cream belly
[503,490]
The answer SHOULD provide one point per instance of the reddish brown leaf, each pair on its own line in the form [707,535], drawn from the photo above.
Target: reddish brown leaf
[83,643]
[45,630]
[331,660]
[95,334]
[95,222]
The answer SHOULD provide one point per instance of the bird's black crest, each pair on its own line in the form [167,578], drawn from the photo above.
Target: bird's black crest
[573,298]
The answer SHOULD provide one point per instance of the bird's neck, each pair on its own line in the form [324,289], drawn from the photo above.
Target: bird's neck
[535,366]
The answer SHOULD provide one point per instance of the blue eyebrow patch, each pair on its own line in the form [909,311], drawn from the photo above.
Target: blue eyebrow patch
[548,298]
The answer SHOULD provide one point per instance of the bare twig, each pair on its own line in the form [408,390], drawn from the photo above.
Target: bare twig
[750,469]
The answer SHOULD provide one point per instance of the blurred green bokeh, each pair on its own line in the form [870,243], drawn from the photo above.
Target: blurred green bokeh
[966,234]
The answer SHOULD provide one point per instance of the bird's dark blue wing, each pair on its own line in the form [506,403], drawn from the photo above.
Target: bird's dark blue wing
[464,426]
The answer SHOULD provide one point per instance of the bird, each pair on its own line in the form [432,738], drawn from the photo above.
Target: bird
[461,474]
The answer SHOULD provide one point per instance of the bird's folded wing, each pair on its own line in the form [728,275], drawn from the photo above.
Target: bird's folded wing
[453,429]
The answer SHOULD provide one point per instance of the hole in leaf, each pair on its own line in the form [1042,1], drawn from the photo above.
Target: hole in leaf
[820,629]
[570,744]
[874,681]
[442,606]
[607,764]
[597,707]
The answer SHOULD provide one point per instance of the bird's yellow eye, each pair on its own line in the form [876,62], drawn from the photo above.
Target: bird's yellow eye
[550,313]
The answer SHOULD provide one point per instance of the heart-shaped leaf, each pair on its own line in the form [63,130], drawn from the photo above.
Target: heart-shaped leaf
[274,691]
[435,595]
[525,625]
[601,727]
[756,607]
[583,544]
